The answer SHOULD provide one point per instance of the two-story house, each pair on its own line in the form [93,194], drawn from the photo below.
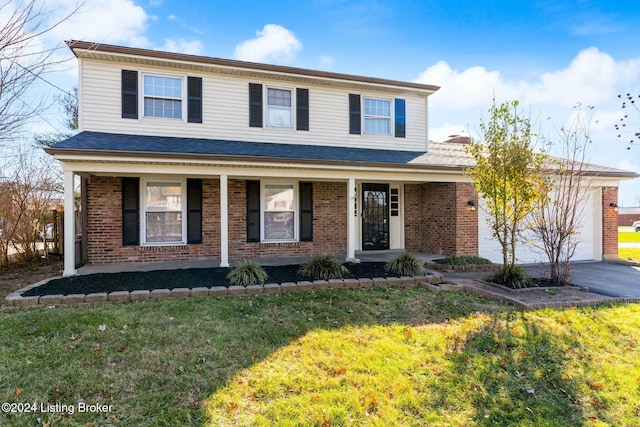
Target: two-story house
[195,158]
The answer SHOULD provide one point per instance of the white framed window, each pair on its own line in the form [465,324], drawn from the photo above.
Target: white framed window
[279,110]
[163,96]
[163,219]
[377,116]
[279,210]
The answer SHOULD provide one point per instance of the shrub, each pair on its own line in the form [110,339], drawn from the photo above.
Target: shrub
[323,267]
[463,260]
[405,265]
[247,273]
[511,276]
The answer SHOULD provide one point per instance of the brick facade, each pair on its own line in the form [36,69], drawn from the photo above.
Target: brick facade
[329,225]
[105,226]
[609,223]
[438,219]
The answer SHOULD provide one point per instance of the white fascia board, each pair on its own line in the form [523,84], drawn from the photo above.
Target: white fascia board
[235,170]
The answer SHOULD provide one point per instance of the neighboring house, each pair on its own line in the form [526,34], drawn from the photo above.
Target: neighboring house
[194,158]
[628,215]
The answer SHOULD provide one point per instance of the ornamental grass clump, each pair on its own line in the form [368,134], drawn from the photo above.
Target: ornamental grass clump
[511,276]
[405,265]
[247,273]
[323,267]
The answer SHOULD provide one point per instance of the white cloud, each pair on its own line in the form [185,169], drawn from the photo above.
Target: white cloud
[172,17]
[592,78]
[273,43]
[192,47]
[105,21]
[327,61]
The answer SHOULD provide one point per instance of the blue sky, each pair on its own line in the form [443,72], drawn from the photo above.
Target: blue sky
[549,54]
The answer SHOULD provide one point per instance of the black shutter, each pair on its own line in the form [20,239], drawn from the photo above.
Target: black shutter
[129,94]
[306,211]
[130,211]
[255,105]
[355,122]
[194,211]
[194,100]
[253,211]
[302,109]
[400,118]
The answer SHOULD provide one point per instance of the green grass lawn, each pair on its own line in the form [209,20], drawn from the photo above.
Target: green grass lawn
[376,357]
[628,236]
[629,253]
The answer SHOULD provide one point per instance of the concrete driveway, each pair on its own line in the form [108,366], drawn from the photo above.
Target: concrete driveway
[605,278]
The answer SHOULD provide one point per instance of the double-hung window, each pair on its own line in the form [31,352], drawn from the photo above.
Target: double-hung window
[279,111]
[274,107]
[377,116]
[162,96]
[279,209]
[164,211]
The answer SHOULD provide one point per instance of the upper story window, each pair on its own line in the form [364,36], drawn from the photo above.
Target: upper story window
[162,97]
[377,116]
[279,112]
[284,108]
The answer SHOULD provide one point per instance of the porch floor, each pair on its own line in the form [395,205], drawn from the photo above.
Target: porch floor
[363,256]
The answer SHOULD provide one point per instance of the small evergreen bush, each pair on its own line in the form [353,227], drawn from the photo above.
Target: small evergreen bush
[405,265]
[511,276]
[247,273]
[323,267]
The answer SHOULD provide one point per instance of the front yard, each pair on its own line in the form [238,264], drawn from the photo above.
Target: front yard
[627,235]
[384,356]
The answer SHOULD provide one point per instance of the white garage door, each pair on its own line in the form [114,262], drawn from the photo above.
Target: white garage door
[589,245]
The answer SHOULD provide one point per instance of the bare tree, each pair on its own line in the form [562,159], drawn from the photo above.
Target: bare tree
[557,219]
[27,195]
[629,132]
[23,60]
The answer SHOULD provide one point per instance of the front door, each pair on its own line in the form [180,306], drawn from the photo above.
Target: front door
[375,216]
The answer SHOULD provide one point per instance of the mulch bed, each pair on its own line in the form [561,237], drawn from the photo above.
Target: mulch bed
[185,278]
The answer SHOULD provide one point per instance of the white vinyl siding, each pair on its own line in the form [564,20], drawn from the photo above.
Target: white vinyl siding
[226,111]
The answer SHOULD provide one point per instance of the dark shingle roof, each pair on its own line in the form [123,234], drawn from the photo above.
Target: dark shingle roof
[139,145]
[441,155]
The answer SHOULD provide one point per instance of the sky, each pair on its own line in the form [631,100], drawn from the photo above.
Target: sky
[551,55]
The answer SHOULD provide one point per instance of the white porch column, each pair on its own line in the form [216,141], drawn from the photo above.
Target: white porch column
[224,222]
[351,220]
[69,227]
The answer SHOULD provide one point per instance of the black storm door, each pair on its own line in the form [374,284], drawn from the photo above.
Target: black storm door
[375,216]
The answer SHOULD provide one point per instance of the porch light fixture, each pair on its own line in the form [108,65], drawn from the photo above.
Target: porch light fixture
[614,206]
[472,205]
